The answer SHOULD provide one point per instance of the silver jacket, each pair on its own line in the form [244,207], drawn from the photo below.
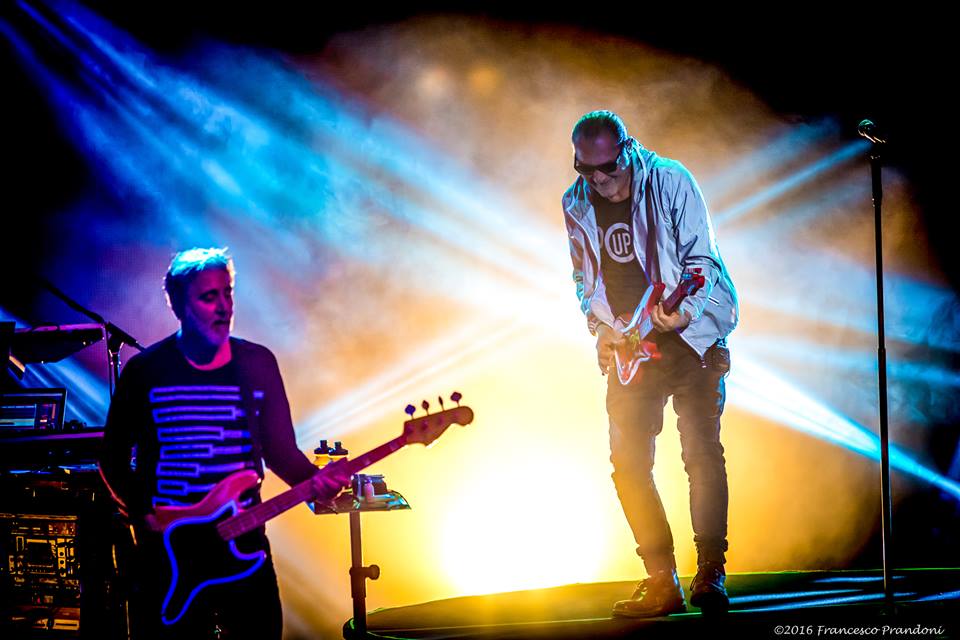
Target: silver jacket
[685,240]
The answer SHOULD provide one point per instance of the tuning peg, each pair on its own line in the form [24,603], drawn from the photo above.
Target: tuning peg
[455,396]
[410,410]
[426,406]
[440,400]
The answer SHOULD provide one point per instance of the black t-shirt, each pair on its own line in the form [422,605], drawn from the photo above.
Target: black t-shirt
[622,273]
[202,431]
[190,427]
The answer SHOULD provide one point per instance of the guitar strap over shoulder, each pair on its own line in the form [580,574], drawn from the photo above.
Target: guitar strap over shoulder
[650,251]
[251,404]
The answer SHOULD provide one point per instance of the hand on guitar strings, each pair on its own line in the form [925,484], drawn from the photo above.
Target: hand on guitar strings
[329,481]
[607,339]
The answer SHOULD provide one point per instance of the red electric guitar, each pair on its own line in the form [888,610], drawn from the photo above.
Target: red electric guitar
[215,522]
[635,349]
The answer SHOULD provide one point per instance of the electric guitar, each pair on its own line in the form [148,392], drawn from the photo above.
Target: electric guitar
[214,523]
[635,349]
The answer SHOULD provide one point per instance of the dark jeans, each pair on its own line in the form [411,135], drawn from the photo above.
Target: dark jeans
[636,418]
[248,608]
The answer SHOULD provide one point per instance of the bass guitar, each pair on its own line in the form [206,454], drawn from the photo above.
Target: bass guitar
[214,523]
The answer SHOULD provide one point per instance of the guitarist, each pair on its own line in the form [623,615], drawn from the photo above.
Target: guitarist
[193,409]
[634,218]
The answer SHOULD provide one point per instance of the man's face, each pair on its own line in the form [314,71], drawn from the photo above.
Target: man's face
[208,306]
[603,150]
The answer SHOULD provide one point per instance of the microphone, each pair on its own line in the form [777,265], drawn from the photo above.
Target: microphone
[871,132]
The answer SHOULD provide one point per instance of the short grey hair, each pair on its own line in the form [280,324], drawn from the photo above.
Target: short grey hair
[186,264]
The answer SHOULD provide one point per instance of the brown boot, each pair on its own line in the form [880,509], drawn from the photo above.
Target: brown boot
[658,595]
[707,591]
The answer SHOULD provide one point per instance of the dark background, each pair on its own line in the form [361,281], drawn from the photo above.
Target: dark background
[805,61]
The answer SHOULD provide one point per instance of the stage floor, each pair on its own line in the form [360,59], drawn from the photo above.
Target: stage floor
[792,604]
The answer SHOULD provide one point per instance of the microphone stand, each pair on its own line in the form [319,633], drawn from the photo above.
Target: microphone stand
[868,130]
[116,337]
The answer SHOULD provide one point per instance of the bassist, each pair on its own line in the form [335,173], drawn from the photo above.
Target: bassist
[195,408]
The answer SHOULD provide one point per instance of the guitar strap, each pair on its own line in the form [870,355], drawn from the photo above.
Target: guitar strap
[250,405]
[650,251]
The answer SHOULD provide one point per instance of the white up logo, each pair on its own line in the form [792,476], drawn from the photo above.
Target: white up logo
[619,242]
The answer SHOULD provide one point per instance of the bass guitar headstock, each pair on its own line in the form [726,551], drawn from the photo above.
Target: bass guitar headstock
[427,428]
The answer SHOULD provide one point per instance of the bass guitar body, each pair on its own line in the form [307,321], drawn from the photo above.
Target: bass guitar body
[191,533]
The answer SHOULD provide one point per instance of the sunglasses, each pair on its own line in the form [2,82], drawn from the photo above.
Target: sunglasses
[607,168]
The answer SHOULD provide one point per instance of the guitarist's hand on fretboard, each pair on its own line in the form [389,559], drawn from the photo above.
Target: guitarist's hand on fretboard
[664,322]
[328,482]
